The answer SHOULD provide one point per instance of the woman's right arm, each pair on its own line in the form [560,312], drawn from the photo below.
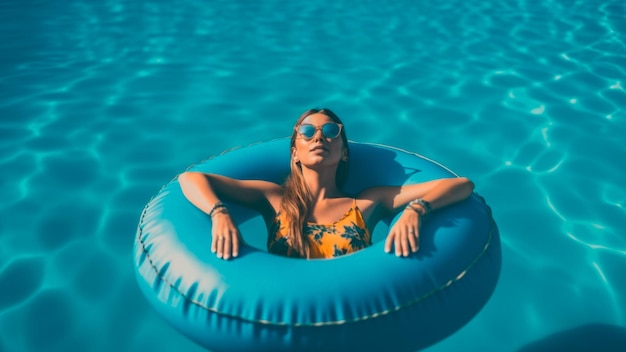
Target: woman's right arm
[205,191]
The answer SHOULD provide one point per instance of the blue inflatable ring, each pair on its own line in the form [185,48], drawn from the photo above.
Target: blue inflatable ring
[368,300]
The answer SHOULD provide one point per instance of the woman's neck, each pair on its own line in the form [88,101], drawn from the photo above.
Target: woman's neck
[322,185]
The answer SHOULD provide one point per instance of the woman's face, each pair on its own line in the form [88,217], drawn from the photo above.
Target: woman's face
[319,151]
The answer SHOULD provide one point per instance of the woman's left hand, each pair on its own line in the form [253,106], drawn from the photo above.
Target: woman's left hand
[404,235]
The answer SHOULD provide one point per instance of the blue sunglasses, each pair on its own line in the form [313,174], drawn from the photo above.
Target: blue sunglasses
[329,130]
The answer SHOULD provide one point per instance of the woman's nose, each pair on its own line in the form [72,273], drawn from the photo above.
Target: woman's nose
[318,135]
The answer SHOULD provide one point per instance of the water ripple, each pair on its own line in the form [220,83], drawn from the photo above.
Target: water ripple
[104,102]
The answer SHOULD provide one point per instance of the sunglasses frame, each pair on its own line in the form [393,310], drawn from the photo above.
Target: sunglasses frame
[320,128]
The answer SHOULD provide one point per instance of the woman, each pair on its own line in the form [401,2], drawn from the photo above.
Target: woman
[310,216]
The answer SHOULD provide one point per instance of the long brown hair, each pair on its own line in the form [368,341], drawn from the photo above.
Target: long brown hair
[297,197]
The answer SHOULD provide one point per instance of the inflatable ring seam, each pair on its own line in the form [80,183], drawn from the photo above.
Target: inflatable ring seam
[414,301]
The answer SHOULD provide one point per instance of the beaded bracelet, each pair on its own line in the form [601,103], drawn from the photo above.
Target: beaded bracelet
[415,210]
[218,205]
[424,204]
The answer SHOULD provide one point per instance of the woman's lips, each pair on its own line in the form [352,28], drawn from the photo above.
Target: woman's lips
[318,147]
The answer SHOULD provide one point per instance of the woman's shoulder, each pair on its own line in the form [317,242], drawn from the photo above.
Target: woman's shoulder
[375,194]
[373,201]
[365,202]
[269,187]
[273,193]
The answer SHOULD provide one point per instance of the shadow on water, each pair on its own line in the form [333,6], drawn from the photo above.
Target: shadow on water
[592,337]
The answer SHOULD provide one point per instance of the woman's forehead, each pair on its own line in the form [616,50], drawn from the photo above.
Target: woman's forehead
[317,119]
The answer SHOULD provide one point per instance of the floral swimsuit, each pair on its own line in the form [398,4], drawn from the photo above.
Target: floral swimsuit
[346,235]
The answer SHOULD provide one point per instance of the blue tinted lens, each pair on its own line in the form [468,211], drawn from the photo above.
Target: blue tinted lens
[307,131]
[330,130]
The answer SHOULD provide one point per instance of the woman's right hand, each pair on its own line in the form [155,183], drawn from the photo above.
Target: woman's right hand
[226,236]
[404,234]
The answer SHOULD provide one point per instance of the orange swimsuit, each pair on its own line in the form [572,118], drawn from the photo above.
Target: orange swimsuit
[346,235]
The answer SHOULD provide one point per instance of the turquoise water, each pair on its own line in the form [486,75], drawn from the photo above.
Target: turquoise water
[103,102]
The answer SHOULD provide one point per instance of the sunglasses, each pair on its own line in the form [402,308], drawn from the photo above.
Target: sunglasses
[329,130]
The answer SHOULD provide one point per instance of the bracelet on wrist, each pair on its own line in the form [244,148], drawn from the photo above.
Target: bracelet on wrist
[424,204]
[216,209]
[221,210]
[415,210]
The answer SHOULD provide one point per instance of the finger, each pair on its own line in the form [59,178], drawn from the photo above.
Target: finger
[235,248]
[398,244]
[413,240]
[220,246]
[388,242]
[405,244]
[214,237]
[227,246]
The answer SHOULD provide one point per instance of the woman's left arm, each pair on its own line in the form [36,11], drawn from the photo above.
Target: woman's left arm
[437,193]
[415,201]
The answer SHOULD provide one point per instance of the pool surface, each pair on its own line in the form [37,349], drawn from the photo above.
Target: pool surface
[103,102]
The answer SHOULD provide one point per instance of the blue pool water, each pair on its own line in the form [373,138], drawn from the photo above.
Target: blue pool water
[102,102]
